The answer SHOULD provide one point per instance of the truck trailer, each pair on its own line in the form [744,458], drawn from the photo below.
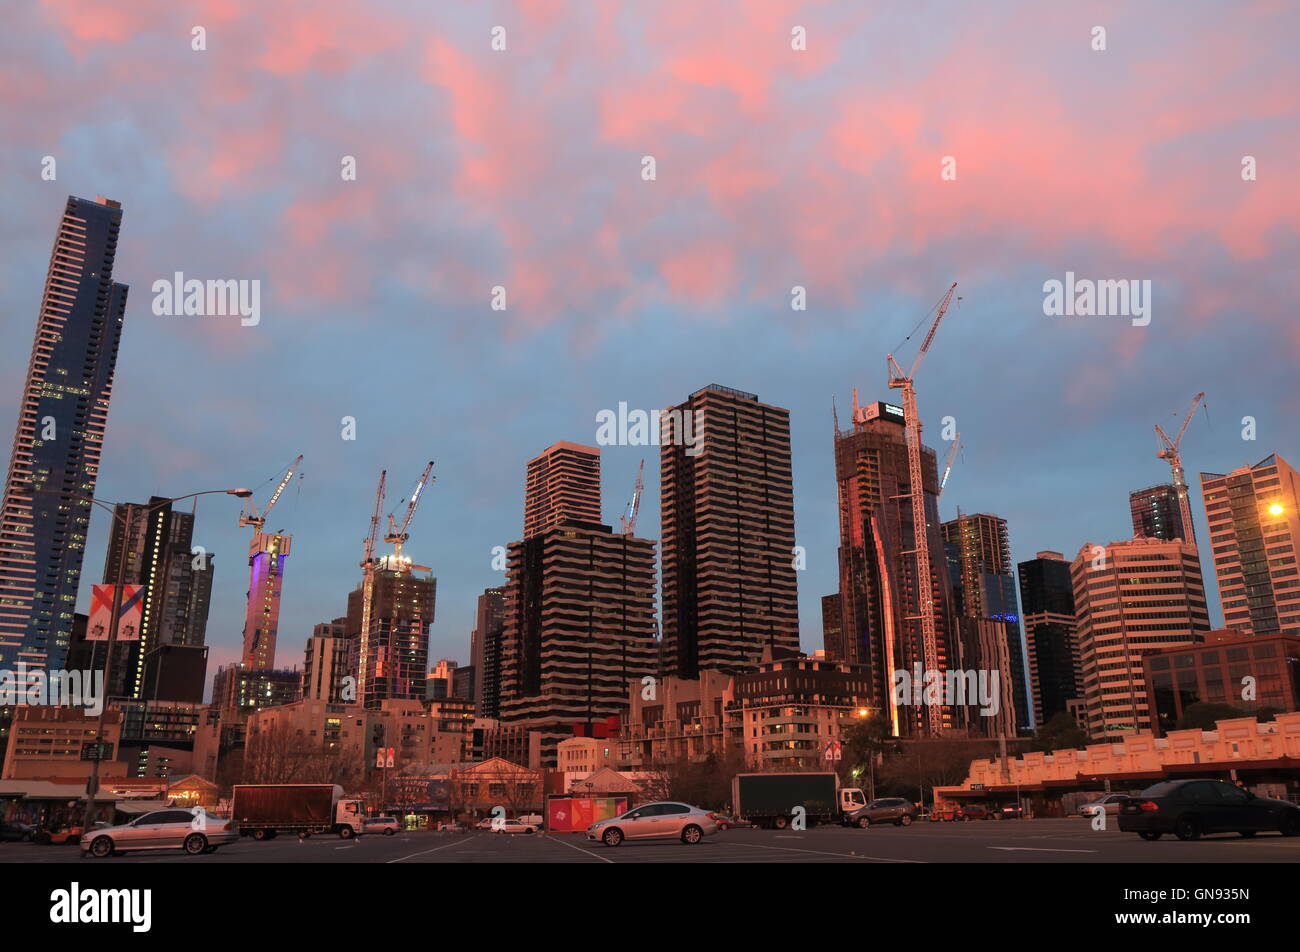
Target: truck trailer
[265,810]
[775,799]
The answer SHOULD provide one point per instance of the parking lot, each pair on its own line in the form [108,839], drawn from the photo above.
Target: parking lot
[1012,841]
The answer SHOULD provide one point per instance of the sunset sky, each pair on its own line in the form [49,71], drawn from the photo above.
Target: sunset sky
[775,168]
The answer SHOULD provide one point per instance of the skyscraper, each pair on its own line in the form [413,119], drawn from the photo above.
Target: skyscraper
[1157,515]
[1131,597]
[562,482]
[1254,517]
[1051,644]
[578,618]
[879,594]
[266,554]
[177,584]
[727,515]
[62,414]
[325,663]
[485,651]
[985,591]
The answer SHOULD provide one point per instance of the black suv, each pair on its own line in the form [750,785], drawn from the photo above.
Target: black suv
[893,810]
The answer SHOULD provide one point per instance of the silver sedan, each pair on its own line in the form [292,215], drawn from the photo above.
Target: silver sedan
[662,820]
[194,831]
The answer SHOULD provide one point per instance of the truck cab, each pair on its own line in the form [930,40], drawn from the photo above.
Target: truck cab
[350,814]
[851,798]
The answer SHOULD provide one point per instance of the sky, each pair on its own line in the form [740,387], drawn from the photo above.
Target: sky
[828,168]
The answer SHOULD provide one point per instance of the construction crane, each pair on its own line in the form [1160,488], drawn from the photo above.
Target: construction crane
[399,534]
[252,517]
[947,466]
[627,521]
[920,529]
[368,587]
[1169,449]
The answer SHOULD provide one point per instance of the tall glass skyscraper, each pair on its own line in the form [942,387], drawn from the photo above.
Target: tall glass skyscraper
[63,410]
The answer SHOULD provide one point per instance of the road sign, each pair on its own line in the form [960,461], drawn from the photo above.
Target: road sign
[97,751]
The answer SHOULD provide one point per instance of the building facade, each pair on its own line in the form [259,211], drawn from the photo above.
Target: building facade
[727,517]
[1051,640]
[1254,519]
[1157,515]
[1130,598]
[58,441]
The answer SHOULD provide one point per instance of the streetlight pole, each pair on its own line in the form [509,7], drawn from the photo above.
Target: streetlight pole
[92,782]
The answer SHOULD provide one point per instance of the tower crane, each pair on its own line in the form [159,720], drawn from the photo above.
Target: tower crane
[627,521]
[947,466]
[1169,449]
[920,529]
[252,517]
[368,587]
[399,534]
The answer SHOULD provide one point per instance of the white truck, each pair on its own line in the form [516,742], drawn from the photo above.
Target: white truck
[775,799]
[265,810]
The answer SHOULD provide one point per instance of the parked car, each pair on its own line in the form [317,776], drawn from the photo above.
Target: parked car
[655,821]
[1009,811]
[59,835]
[515,826]
[723,821]
[386,825]
[893,810]
[973,811]
[186,830]
[1109,804]
[451,826]
[484,824]
[1192,808]
[16,832]
[533,818]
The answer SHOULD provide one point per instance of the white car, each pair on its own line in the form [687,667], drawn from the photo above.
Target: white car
[514,826]
[1110,804]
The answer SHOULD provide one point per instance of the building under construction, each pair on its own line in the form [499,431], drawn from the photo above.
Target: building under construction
[879,624]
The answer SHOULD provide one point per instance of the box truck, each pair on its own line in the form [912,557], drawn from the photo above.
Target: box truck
[265,810]
[773,799]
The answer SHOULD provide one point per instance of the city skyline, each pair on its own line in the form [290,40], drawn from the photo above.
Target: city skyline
[686,286]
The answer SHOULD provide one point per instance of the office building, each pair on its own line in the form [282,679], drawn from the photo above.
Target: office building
[1131,598]
[561,483]
[325,664]
[1051,642]
[485,651]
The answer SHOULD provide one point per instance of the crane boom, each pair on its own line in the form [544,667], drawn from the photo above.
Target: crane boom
[251,517]
[920,524]
[368,589]
[1170,450]
[627,521]
[399,534]
[947,466]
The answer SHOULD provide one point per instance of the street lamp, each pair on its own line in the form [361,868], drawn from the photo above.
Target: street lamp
[92,782]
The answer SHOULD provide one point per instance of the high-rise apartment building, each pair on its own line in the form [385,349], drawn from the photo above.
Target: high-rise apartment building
[879,590]
[1051,643]
[325,664]
[1130,598]
[561,483]
[727,515]
[63,411]
[1254,518]
[1157,515]
[579,624]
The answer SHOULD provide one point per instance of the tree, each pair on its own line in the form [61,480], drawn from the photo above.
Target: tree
[865,741]
[1062,732]
[1203,714]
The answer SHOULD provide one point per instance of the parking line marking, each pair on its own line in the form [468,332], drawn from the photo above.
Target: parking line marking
[792,849]
[1035,849]
[603,859]
[423,852]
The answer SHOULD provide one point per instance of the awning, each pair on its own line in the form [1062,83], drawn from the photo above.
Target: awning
[140,807]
